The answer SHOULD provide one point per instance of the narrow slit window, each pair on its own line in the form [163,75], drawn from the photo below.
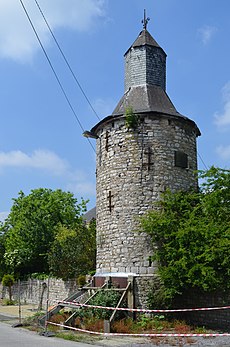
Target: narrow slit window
[110,205]
[107,141]
[99,151]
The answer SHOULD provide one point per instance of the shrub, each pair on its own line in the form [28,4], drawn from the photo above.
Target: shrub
[8,281]
[81,280]
[131,119]
[8,302]
[158,298]
[108,298]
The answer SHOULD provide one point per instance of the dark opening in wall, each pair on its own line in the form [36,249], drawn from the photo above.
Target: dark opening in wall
[110,206]
[181,159]
[107,141]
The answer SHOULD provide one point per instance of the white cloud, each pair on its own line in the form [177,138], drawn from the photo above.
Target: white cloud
[17,40]
[82,186]
[222,119]
[39,159]
[79,182]
[50,163]
[206,33]
[223,152]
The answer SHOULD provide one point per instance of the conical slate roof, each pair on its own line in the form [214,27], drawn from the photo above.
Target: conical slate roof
[145,95]
[146,98]
[144,38]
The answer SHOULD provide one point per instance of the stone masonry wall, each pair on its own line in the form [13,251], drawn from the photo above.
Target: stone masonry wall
[30,291]
[133,168]
[58,290]
[215,319]
[142,287]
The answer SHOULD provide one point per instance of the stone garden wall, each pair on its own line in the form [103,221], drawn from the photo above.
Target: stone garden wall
[31,291]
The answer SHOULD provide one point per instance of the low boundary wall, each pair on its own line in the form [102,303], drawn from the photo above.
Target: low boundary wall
[32,291]
[35,292]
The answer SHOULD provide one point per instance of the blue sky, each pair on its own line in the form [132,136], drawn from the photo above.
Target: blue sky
[41,143]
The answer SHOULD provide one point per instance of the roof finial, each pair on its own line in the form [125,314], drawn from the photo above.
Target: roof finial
[145,21]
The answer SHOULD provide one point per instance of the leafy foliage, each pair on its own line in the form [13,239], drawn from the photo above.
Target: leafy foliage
[131,119]
[158,297]
[73,251]
[106,298]
[31,227]
[81,280]
[191,234]
[3,267]
[8,281]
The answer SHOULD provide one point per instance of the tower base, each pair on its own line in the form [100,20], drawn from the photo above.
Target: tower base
[141,284]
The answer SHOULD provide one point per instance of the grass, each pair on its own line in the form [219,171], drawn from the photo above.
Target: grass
[76,337]
[8,302]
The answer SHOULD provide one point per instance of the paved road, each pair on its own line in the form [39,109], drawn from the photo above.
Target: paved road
[17,337]
[6,318]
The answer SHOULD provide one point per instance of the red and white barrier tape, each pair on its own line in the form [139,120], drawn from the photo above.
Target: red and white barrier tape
[138,335]
[144,310]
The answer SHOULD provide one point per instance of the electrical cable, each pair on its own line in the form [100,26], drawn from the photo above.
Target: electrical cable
[71,70]
[54,72]
[202,160]
[66,61]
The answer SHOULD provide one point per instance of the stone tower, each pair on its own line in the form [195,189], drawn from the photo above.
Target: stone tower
[136,163]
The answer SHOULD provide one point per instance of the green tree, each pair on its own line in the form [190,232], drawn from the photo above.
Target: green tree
[30,228]
[3,267]
[73,251]
[191,235]
[8,281]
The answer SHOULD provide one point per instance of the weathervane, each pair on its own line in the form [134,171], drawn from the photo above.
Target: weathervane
[145,21]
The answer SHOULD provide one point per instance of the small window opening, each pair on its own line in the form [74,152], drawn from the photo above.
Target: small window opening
[181,159]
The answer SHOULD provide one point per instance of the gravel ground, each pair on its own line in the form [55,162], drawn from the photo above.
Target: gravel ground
[167,342]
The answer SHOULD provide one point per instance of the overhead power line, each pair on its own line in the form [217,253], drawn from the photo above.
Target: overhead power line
[54,72]
[202,161]
[66,61]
